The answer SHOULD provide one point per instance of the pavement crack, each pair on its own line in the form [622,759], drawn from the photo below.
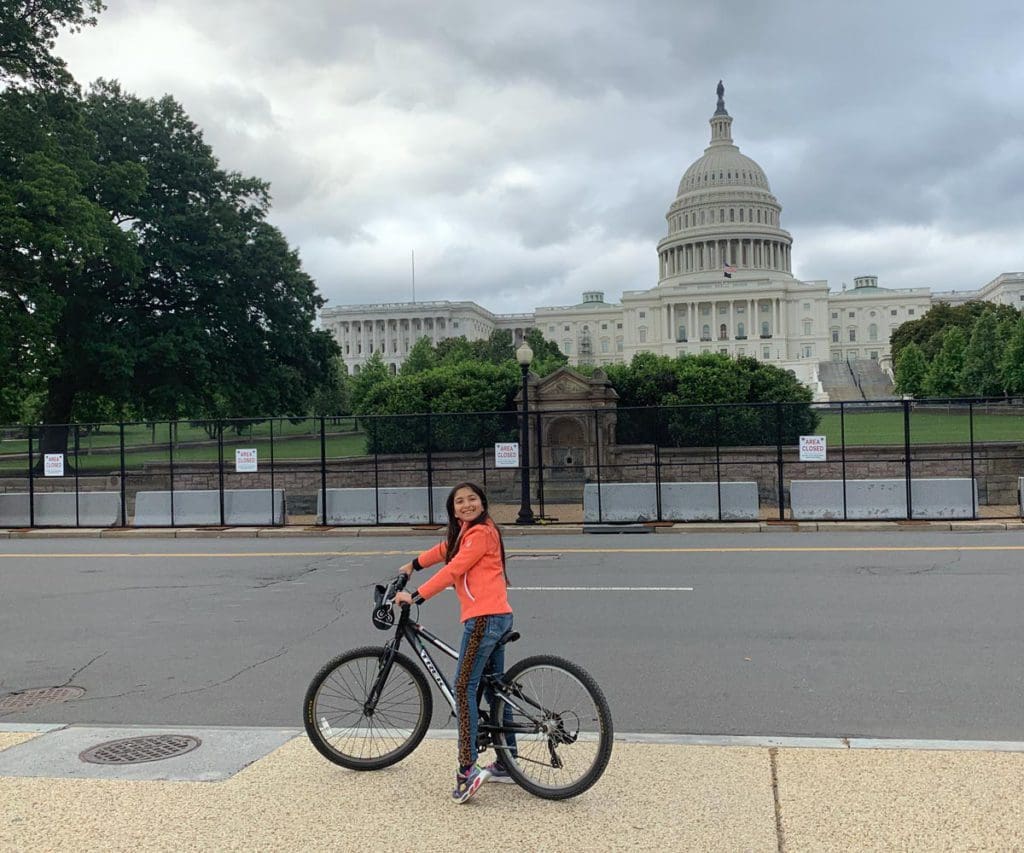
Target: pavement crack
[283,650]
[773,761]
[308,569]
[82,669]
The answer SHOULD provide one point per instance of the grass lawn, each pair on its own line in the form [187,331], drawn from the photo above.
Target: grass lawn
[926,427]
[104,459]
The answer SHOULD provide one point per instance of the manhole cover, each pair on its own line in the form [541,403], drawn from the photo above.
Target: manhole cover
[27,699]
[138,750]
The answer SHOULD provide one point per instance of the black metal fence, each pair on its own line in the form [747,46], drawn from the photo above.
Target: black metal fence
[593,465]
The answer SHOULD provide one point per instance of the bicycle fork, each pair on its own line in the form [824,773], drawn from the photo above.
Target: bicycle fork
[383,671]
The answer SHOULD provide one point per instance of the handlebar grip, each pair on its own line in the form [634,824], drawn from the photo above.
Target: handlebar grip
[401,581]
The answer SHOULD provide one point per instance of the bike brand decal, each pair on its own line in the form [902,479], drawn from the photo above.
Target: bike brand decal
[429,664]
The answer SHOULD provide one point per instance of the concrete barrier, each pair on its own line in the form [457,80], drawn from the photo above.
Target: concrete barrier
[393,505]
[937,497]
[57,509]
[633,502]
[202,507]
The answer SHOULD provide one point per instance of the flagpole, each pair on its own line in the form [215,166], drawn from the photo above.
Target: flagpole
[414,276]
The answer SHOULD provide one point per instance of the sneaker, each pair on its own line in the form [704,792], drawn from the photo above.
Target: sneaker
[498,773]
[469,783]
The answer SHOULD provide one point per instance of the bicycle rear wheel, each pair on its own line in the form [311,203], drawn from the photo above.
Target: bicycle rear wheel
[349,733]
[571,741]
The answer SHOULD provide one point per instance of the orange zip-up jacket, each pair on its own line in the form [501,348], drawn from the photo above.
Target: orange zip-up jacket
[475,572]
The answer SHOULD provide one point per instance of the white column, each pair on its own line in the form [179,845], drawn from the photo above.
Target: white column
[732,323]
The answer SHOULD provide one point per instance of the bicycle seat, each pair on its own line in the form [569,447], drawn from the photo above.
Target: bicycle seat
[509,636]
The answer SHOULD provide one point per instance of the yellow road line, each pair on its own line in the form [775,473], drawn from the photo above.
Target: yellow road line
[263,554]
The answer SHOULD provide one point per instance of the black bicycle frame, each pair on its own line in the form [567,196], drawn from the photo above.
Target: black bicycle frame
[415,634]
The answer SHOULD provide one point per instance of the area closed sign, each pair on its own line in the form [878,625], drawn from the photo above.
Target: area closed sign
[53,464]
[245,460]
[812,448]
[506,454]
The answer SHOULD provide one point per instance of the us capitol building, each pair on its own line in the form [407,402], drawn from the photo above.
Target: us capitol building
[725,284]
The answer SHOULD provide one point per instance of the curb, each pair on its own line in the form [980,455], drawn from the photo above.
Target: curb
[660,528]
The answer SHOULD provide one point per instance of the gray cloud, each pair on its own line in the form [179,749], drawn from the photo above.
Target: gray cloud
[528,151]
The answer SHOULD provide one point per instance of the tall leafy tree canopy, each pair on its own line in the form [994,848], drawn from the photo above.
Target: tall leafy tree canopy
[28,31]
[137,276]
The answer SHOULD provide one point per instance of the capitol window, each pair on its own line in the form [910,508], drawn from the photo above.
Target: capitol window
[892,313]
[835,336]
[642,334]
[852,315]
[910,311]
[807,327]
[604,344]
[873,332]
[853,335]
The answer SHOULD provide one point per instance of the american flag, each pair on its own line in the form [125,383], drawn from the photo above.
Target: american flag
[728,270]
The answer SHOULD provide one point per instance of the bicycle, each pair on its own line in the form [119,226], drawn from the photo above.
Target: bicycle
[370,707]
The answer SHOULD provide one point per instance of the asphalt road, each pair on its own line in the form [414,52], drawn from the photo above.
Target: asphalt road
[889,634]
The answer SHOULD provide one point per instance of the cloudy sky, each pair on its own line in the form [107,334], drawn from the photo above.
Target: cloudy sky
[528,151]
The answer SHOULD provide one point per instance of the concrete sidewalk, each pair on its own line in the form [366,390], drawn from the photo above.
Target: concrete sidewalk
[654,796]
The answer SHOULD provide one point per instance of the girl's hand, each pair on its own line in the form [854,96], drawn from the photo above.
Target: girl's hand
[403,599]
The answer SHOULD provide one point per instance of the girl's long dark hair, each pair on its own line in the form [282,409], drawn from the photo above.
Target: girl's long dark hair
[453,535]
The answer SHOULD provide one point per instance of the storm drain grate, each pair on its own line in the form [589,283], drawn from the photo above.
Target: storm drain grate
[27,699]
[138,750]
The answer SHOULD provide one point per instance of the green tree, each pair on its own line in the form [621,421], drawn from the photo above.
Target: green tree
[454,351]
[911,369]
[150,274]
[422,356]
[926,330]
[708,399]
[331,398]
[66,264]
[945,370]
[980,374]
[547,357]
[468,404]
[28,32]
[1011,366]
[496,349]
[374,373]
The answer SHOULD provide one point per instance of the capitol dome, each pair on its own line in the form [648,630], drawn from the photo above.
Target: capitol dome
[724,214]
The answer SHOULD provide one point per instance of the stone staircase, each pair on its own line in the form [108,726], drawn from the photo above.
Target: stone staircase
[855,380]
[873,382]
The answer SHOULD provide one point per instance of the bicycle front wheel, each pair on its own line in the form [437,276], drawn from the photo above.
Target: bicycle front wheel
[571,734]
[343,725]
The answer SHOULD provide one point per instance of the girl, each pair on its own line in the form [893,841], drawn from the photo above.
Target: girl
[474,558]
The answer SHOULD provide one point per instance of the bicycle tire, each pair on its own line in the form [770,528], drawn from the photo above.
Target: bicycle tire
[336,721]
[541,678]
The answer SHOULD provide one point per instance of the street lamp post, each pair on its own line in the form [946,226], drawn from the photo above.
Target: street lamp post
[524,355]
